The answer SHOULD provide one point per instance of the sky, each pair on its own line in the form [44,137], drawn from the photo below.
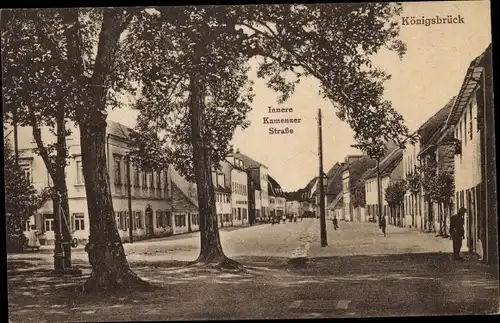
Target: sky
[423,81]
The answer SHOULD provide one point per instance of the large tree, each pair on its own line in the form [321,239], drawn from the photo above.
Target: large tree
[86,47]
[35,95]
[21,200]
[193,60]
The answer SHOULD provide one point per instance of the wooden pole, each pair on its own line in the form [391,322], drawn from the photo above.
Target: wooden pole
[324,241]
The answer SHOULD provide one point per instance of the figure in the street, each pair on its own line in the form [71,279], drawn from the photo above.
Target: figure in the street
[295,218]
[33,241]
[457,231]
[335,223]
[284,218]
[383,225]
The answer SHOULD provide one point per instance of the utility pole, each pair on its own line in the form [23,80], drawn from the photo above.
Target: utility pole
[379,194]
[322,217]
[129,191]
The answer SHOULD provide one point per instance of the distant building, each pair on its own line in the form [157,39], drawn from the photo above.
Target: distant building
[391,171]
[352,171]
[277,200]
[258,179]
[185,217]
[221,178]
[238,179]
[413,203]
[431,152]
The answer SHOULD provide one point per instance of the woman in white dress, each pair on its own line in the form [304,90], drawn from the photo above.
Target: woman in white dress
[33,241]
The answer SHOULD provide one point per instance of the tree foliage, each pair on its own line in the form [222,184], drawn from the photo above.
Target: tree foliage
[413,180]
[22,200]
[332,43]
[395,193]
[358,196]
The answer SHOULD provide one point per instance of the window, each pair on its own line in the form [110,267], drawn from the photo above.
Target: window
[158,180]
[118,169]
[138,220]
[26,167]
[78,222]
[27,225]
[144,180]
[126,220]
[79,172]
[48,222]
[168,216]
[470,121]
[159,218]
[136,176]
[465,126]
[119,220]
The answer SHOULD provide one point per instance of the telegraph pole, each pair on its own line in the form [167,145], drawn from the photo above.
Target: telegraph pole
[129,191]
[379,194]
[322,217]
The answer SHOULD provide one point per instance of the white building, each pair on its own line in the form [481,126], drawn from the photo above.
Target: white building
[292,208]
[150,191]
[257,174]
[465,119]
[391,171]
[413,204]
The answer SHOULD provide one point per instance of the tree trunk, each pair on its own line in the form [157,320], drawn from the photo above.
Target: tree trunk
[61,188]
[211,248]
[110,269]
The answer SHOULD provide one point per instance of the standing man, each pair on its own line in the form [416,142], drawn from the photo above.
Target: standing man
[383,224]
[457,232]
[335,223]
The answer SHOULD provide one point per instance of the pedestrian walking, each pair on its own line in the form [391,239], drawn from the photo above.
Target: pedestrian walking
[383,225]
[295,218]
[33,241]
[457,231]
[283,218]
[335,223]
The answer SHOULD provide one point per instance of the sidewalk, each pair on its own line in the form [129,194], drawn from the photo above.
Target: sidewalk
[359,238]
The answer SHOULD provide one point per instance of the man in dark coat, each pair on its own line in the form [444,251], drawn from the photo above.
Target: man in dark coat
[457,231]
[335,223]
[383,225]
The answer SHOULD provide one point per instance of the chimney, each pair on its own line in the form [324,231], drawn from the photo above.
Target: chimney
[237,150]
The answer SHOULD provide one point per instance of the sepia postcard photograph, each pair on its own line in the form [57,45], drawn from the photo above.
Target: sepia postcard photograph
[264,161]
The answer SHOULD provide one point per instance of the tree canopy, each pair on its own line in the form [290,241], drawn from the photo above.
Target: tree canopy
[332,43]
[395,193]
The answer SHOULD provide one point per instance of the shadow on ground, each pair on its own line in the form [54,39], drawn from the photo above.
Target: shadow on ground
[383,285]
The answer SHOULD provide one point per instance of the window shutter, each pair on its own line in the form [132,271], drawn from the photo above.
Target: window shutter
[72,223]
[39,222]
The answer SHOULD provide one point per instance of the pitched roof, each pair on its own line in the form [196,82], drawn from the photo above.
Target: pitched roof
[247,161]
[117,129]
[471,79]
[187,188]
[273,187]
[387,165]
[434,124]
[337,202]
[180,201]
[334,184]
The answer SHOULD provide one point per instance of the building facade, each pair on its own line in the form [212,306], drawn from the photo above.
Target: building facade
[238,178]
[413,203]
[258,180]
[151,192]
[475,174]
[221,179]
[391,171]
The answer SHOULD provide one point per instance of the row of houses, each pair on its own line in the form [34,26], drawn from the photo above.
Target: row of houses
[163,202]
[458,140]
